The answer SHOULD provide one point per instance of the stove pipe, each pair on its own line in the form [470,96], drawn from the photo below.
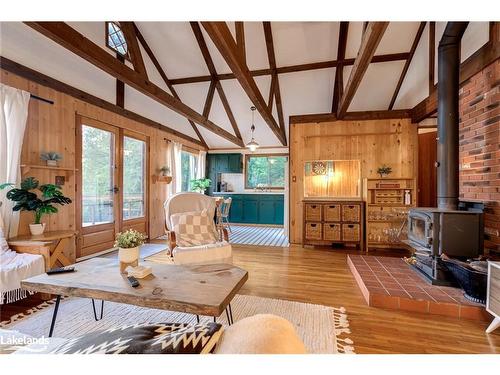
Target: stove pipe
[448,118]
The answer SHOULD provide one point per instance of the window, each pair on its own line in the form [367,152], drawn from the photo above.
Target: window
[265,171]
[189,164]
[134,172]
[115,39]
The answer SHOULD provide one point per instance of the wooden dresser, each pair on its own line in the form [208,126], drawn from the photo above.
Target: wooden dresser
[493,295]
[333,222]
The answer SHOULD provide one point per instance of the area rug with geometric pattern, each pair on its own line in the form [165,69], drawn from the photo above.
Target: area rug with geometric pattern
[323,329]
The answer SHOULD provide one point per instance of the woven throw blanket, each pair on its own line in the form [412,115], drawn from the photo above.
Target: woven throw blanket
[15,267]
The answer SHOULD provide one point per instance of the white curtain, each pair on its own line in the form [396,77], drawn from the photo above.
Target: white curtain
[174,162]
[201,161]
[13,115]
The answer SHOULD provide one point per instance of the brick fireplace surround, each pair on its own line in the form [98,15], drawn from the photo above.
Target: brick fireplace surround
[480,148]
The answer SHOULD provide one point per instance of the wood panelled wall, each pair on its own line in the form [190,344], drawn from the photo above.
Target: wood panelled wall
[52,128]
[372,142]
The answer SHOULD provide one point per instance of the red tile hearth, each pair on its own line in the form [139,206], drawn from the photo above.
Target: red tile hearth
[392,284]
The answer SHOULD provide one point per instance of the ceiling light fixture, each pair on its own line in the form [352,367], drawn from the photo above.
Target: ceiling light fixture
[253,145]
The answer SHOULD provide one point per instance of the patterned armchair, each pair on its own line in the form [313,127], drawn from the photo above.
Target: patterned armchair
[192,234]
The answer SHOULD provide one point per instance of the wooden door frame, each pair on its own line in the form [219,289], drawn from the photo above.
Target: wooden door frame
[80,121]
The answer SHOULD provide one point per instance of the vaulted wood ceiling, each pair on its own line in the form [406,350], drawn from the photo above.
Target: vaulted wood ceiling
[201,78]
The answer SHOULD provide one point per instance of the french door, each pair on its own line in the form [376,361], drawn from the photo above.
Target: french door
[111,187]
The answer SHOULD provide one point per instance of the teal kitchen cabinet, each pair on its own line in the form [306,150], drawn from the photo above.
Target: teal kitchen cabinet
[222,163]
[235,163]
[251,209]
[236,210]
[256,208]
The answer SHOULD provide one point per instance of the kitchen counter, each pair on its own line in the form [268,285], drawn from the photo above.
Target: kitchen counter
[256,207]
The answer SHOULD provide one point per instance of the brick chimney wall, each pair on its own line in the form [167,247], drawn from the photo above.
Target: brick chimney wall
[480,148]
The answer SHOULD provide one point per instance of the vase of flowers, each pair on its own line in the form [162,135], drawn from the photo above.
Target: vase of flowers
[51,158]
[129,243]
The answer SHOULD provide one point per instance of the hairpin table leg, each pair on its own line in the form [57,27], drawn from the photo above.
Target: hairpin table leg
[54,316]
[95,312]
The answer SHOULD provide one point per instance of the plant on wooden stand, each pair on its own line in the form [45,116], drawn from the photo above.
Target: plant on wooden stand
[27,200]
[51,158]
[129,243]
[384,171]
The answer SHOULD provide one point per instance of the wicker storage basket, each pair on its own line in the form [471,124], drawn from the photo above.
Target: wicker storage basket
[313,231]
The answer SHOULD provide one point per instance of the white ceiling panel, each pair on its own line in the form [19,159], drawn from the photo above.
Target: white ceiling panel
[305,42]
[193,94]
[218,114]
[45,56]
[219,62]
[398,37]
[240,105]
[307,92]
[174,45]
[354,35]
[476,35]
[95,31]
[415,86]
[373,92]
[143,105]
[255,46]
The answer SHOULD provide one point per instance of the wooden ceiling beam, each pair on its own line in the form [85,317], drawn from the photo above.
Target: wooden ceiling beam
[338,86]
[407,63]
[292,68]
[350,116]
[240,39]
[268,34]
[210,98]
[134,50]
[479,60]
[272,90]
[163,75]
[432,54]
[213,73]
[44,80]
[75,42]
[225,43]
[369,43]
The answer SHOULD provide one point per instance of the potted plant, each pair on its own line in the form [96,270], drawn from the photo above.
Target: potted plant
[129,243]
[165,171]
[27,200]
[200,185]
[384,171]
[51,158]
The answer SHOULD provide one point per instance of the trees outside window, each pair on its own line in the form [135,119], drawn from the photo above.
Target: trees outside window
[189,163]
[265,171]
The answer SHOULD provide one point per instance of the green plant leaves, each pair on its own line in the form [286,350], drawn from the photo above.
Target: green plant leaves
[26,200]
[29,183]
[3,186]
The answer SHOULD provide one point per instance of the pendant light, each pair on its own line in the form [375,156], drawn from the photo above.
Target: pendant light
[252,145]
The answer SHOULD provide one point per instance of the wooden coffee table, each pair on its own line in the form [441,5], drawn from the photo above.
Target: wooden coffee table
[196,289]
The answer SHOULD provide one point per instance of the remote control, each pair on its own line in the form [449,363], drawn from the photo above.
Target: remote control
[133,281]
[60,270]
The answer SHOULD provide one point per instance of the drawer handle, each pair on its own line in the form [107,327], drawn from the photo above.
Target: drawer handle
[351,207]
[350,226]
[313,225]
[313,206]
[332,206]
[332,226]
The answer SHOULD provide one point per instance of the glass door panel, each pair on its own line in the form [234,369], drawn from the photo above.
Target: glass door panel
[134,178]
[97,176]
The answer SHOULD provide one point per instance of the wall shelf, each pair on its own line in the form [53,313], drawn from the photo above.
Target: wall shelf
[25,168]
[162,179]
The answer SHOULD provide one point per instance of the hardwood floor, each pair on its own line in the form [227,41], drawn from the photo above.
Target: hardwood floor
[322,277]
